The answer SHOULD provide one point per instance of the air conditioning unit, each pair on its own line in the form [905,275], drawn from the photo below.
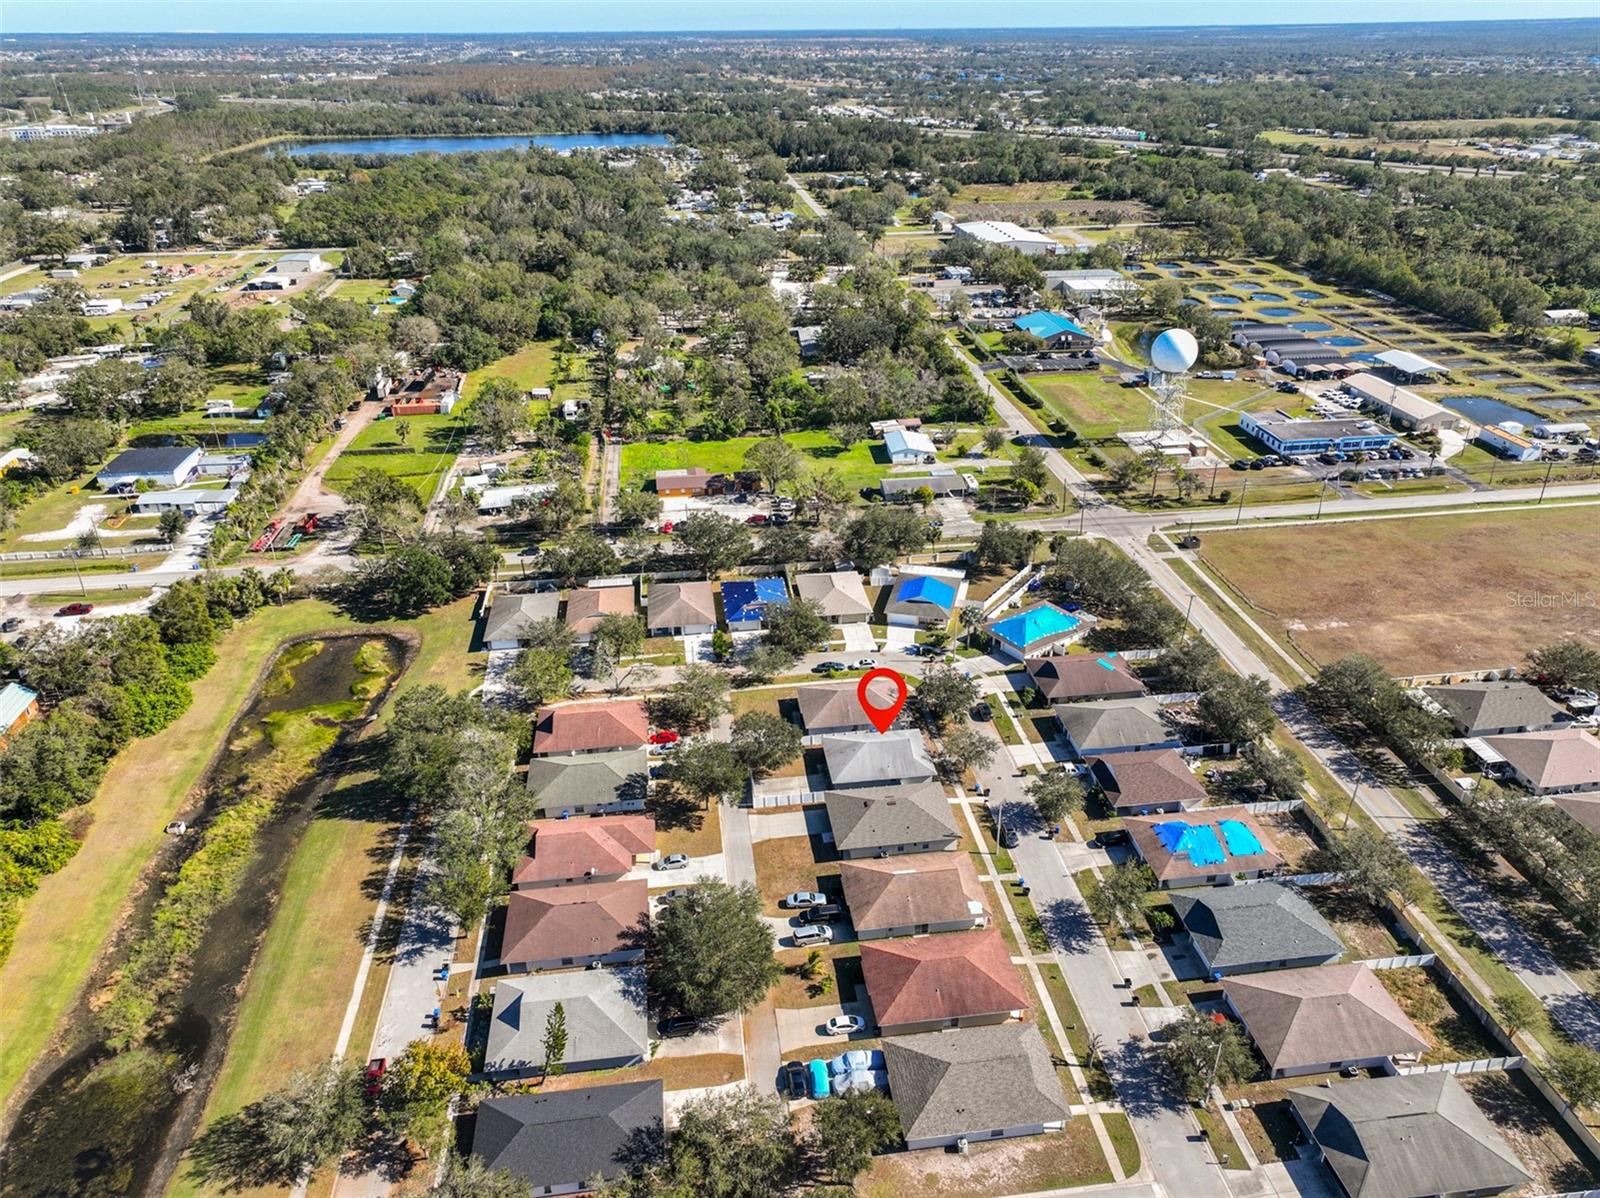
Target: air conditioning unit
[962,1146]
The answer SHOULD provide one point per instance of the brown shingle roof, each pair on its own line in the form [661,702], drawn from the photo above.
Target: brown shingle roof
[839,593]
[681,605]
[1550,760]
[573,921]
[1147,777]
[958,975]
[918,888]
[585,607]
[585,727]
[1322,1015]
[570,848]
[1168,865]
[837,705]
[1084,676]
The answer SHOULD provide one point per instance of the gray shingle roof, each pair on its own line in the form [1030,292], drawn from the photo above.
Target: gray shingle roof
[615,777]
[1113,724]
[511,615]
[681,605]
[879,816]
[973,1079]
[1254,924]
[837,594]
[1485,706]
[604,1010]
[865,758]
[838,704]
[1398,1137]
[567,1135]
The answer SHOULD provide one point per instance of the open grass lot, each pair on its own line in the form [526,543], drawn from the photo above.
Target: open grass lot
[208,271]
[785,864]
[841,962]
[65,924]
[533,366]
[861,465]
[1358,923]
[1031,1164]
[1556,1159]
[420,461]
[364,291]
[1453,1033]
[1421,594]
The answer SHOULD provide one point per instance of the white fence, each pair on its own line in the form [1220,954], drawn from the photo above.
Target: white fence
[1006,590]
[34,555]
[1420,960]
[1482,1065]
[1273,806]
[795,798]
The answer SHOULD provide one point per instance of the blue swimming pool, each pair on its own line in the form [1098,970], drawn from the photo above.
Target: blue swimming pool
[1311,326]
[1279,311]
[1341,342]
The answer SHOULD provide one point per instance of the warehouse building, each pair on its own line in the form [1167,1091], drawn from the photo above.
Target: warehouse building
[1405,408]
[1004,235]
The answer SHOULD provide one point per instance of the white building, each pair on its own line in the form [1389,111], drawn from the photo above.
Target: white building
[907,445]
[1405,408]
[1508,442]
[305,263]
[46,132]
[101,307]
[1090,286]
[1002,234]
[1573,317]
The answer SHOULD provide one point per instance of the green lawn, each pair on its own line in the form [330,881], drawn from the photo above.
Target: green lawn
[419,462]
[861,465]
[1094,405]
[365,291]
[533,366]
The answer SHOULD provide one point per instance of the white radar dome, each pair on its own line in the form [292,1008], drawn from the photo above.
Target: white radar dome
[1174,351]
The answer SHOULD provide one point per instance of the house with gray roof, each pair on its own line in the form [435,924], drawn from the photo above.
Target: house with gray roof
[1496,708]
[681,609]
[874,759]
[1565,762]
[839,594]
[590,783]
[881,820]
[974,1083]
[605,1015]
[1253,927]
[1115,726]
[557,1141]
[512,615]
[833,707]
[1323,1019]
[1406,1137]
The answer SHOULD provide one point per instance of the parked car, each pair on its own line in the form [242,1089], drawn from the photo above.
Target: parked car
[758,518]
[75,609]
[866,663]
[828,667]
[376,1068]
[176,828]
[780,517]
[801,899]
[666,526]
[11,625]
[827,913]
[673,895]
[676,1026]
[1009,837]
[983,712]
[844,1025]
[793,1079]
[672,861]
[812,933]
[663,736]
[1110,837]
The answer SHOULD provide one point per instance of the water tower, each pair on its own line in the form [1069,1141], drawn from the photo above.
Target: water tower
[1171,355]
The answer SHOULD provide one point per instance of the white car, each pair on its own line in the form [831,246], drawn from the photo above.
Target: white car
[844,1025]
[866,663]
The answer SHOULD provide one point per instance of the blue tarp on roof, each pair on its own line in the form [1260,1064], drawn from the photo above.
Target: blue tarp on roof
[1241,841]
[748,599]
[1196,841]
[1048,324]
[920,588]
[1039,623]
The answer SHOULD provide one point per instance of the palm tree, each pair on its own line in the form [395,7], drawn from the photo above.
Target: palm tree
[971,620]
[280,584]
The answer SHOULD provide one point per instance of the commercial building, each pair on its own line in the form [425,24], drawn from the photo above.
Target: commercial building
[1285,434]
[590,783]
[1323,1019]
[1210,846]
[891,820]
[558,1141]
[681,609]
[1055,330]
[1003,234]
[1037,629]
[1254,927]
[302,262]
[605,1019]
[693,480]
[1405,408]
[170,467]
[913,895]
[924,983]
[1090,286]
[1409,366]
[940,482]
[906,445]
[1508,442]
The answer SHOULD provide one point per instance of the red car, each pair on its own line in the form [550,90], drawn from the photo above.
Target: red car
[76,609]
[376,1068]
[758,518]
[666,526]
[664,736]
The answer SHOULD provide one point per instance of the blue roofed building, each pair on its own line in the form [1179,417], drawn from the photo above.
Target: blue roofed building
[921,599]
[1036,630]
[1206,846]
[745,601]
[1284,434]
[1055,330]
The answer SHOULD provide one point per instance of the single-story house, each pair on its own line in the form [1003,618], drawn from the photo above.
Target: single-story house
[924,983]
[166,467]
[891,820]
[1495,708]
[874,759]
[1254,927]
[1322,1019]
[605,1017]
[1055,330]
[1416,1135]
[1575,318]
[587,606]
[512,615]
[941,483]
[681,609]
[745,601]
[921,599]
[187,500]
[492,501]
[913,895]
[565,927]
[827,708]
[977,1084]
[567,728]
[1071,678]
[18,457]
[905,446]
[1147,781]
[299,263]
[601,783]
[839,594]
[693,480]
[1563,762]
[558,1141]
[565,852]
[1036,629]
[1209,846]
[1115,726]
[18,706]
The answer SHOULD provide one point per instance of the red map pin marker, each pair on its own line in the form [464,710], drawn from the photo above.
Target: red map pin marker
[882,717]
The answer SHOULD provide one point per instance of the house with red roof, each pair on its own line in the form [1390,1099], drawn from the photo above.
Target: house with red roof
[564,852]
[959,979]
[573,927]
[568,728]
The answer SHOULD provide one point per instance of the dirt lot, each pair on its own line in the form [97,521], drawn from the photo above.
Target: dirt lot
[1032,1163]
[1436,593]
[1543,1146]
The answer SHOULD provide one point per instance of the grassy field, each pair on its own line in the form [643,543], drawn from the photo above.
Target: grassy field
[1423,594]
[861,465]
[420,461]
[66,923]
[534,366]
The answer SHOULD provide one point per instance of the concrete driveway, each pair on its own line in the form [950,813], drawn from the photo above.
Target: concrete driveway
[858,638]
[726,1036]
[897,637]
[712,865]
[799,1027]
[808,821]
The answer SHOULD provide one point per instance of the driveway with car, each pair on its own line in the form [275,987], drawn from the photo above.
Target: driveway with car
[802,1026]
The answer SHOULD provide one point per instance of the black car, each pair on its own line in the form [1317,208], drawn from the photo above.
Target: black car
[794,1081]
[983,712]
[675,1026]
[1110,837]
[827,913]
[1009,837]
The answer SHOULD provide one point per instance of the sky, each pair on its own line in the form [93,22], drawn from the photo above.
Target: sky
[611,16]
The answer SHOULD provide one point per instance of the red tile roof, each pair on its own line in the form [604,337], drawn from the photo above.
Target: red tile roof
[571,848]
[588,727]
[573,921]
[948,976]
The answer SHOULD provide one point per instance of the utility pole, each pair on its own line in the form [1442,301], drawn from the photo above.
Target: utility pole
[1244,485]
[1549,466]
[1349,805]
[1322,493]
[1214,470]
[1188,610]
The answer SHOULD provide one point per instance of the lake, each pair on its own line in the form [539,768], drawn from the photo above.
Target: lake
[460,145]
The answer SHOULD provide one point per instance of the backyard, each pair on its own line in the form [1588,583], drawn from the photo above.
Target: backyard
[861,465]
